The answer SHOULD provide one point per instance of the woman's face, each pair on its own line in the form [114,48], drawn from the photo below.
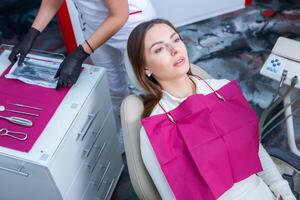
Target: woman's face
[165,54]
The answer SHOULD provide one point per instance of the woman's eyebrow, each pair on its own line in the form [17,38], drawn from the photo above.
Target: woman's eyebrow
[155,43]
[173,35]
[160,42]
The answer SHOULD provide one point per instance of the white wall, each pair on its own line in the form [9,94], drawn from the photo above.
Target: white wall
[182,12]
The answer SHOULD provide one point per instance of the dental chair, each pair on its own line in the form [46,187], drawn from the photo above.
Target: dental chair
[131,110]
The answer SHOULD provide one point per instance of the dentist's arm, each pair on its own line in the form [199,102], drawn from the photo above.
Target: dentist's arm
[46,12]
[69,69]
[117,17]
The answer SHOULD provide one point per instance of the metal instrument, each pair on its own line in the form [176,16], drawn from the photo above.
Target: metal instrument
[18,120]
[25,106]
[2,108]
[13,134]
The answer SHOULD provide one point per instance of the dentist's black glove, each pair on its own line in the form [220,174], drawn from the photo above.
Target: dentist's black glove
[23,46]
[69,70]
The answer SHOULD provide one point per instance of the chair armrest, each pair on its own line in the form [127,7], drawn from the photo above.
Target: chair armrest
[286,156]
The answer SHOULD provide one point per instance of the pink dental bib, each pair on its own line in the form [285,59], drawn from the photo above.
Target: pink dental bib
[206,144]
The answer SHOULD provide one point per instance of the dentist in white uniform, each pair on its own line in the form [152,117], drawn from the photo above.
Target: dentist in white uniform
[106,25]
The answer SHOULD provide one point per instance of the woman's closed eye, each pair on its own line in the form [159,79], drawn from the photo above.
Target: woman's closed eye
[158,50]
[177,39]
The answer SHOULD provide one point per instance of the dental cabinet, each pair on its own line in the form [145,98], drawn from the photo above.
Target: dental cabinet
[76,157]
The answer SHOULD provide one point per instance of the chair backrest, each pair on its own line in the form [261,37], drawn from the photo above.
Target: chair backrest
[131,110]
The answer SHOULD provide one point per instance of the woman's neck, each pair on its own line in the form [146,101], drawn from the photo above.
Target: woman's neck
[180,88]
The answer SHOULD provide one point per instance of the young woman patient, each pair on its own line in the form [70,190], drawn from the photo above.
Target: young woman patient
[200,138]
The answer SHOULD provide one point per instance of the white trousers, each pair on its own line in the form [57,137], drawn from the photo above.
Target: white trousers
[251,188]
[112,60]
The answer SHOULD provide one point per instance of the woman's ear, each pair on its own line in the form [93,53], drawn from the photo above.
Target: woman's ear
[148,72]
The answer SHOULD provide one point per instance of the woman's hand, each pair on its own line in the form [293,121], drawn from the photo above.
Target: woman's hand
[69,69]
[23,47]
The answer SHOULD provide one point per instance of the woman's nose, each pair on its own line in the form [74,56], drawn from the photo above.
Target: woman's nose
[172,49]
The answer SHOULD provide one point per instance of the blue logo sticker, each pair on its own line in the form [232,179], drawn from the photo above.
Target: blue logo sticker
[274,65]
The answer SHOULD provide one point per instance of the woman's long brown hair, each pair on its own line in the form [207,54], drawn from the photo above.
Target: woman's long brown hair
[136,54]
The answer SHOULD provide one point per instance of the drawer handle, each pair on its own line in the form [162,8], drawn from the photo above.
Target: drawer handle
[15,171]
[102,178]
[88,151]
[98,157]
[86,126]
[109,189]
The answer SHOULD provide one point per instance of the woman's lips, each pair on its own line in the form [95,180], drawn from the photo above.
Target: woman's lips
[179,62]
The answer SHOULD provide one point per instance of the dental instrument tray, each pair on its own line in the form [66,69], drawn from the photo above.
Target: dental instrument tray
[39,67]
[19,101]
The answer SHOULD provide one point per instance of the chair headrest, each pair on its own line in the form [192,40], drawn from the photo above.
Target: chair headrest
[131,75]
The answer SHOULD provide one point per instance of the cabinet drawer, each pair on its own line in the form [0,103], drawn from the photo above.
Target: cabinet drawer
[103,186]
[69,156]
[84,177]
[99,161]
[110,180]
[97,136]
[95,110]
[105,145]
[23,180]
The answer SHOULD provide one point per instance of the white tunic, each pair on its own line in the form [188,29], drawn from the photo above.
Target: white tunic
[111,54]
[93,12]
[253,187]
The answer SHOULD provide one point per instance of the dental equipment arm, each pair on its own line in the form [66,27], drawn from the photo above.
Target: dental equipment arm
[285,56]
